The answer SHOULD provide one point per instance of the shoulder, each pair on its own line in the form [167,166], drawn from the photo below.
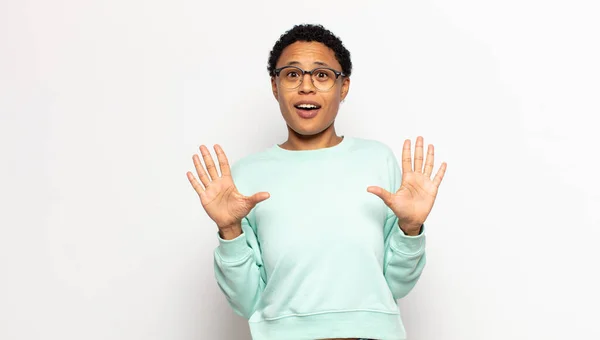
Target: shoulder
[379,152]
[251,165]
[372,147]
[381,157]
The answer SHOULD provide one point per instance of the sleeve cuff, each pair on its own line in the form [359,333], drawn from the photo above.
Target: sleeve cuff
[405,244]
[233,250]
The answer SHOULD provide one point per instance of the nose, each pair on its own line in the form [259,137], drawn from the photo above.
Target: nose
[307,85]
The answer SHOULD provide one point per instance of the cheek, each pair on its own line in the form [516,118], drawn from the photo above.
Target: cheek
[333,102]
[333,107]
[284,101]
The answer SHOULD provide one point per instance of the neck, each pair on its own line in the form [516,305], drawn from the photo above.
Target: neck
[325,139]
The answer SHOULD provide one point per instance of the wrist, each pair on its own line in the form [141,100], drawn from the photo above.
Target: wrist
[231,231]
[411,229]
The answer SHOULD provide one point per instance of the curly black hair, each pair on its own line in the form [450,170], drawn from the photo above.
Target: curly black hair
[308,33]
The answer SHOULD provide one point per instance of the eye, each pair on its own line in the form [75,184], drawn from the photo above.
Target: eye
[323,75]
[291,74]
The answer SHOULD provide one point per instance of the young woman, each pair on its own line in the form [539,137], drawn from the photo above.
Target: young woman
[320,235]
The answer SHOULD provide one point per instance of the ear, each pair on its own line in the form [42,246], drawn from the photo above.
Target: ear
[345,87]
[274,88]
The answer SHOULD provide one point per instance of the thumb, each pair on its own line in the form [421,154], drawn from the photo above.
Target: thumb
[385,195]
[258,197]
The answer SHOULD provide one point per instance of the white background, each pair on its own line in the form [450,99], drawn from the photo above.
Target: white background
[103,104]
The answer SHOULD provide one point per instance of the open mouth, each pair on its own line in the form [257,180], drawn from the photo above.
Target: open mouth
[307,107]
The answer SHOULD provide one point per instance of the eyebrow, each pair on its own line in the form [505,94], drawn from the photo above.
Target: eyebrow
[320,63]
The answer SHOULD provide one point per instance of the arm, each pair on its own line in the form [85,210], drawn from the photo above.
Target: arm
[238,269]
[404,258]
[237,259]
[408,208]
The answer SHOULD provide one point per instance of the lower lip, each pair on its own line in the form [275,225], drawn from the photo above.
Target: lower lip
[306,114]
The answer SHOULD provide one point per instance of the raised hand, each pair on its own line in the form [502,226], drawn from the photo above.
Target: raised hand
[413,202]
[219,195]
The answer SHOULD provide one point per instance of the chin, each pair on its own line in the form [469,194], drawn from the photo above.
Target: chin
[308,130]
[306,133]
[308,127]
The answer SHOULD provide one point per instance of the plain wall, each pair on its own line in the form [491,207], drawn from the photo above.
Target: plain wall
[103,103]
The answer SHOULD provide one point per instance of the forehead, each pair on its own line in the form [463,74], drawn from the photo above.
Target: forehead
[307,54]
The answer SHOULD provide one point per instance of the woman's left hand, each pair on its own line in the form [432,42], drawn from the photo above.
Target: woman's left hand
[413,202]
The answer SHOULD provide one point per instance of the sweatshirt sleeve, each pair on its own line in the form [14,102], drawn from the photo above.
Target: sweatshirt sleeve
[239,271]
[404,257]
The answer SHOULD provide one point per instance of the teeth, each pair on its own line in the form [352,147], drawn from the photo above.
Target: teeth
[307,106]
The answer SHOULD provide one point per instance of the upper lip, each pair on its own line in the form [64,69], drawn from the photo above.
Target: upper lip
[307,102]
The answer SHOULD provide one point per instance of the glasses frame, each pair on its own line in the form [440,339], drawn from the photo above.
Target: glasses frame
[336,72]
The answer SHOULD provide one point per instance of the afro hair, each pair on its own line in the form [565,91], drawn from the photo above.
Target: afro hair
[308,33]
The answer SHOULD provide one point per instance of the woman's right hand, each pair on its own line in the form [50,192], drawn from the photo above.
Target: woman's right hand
[219,195]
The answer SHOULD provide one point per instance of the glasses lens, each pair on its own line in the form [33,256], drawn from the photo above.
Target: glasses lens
[290,77]
[323,78]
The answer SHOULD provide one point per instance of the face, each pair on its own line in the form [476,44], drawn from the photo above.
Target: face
[307,56]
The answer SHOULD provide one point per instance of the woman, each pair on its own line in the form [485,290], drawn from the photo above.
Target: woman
[320,235]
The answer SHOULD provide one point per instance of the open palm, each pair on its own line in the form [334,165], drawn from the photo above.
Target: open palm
[218,194]
[414,200]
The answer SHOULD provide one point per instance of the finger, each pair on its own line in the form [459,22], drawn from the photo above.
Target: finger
[437,180]
[429,162]
[200,170]
[406,161]
[210,164]
[419,154]
[258,197]
[223,161]
[385,195]
[194,182]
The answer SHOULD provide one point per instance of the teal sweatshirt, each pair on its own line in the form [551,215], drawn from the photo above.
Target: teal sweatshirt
[322,257]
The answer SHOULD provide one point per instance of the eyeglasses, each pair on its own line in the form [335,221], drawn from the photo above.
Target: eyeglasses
[323,78]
